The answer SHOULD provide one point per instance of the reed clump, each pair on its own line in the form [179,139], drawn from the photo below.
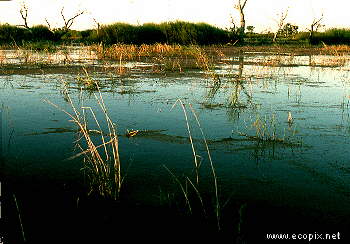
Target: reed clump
[265,130]
[101,159]
[164,57]
[130,52]
[277,61]
[336,49]
[87,82]
[339,60]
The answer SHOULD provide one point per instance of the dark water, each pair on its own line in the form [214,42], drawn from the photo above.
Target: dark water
[298,182]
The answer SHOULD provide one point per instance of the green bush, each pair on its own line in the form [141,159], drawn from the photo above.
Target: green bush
[118,33]
[207,34]
[88,36]
[178,32]
[13,34]
[149,34]
[302,36]
[332,36]
[41,33]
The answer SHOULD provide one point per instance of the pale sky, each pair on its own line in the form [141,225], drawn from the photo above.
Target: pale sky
[260,13]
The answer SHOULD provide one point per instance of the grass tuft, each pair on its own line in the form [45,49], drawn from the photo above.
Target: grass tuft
[101,162]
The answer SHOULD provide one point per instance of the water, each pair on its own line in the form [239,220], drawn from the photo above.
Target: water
[306,166]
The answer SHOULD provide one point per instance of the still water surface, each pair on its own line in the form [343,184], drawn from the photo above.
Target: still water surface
[307,166]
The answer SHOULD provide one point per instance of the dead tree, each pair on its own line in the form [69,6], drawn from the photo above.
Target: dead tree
[48,24]
[280,22]
[315,25]
[240,7]
[24,14]
[69,22]
[98,26]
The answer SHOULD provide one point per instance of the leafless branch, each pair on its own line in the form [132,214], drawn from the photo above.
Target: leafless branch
[24,14]
[48,24]
[316,24]
[280,22]
[97,23]
[240,5]
[243,4]
[69,22]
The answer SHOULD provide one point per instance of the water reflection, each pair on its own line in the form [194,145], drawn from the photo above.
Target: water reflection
[244,91]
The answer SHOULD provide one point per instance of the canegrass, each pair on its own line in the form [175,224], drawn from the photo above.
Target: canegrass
[87,82]
[19,218]
[166,57]
[2,56]
[265,129]
[101,162]
[336,49]
[278,60]
[130,52]
[338,60]
[195,185]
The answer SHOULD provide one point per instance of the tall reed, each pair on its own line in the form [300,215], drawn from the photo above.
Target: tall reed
[197,164]
[101,162]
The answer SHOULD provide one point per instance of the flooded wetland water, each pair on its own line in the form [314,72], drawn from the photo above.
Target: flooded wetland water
[277,127]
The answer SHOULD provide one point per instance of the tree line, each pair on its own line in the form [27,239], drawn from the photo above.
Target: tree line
[177,32]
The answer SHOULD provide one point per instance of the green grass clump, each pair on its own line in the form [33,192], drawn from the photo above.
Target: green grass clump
[332,36]
[178,32]
[10,34]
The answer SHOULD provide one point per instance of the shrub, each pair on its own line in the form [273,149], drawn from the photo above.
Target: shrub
[118,33]
[41,33]
[149,34]
[332,36]
[207,34]
[9,34]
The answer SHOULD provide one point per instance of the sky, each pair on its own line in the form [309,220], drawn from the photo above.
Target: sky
[262,14]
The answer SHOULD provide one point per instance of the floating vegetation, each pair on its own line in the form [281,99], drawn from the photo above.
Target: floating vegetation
[132,133]
[211,106]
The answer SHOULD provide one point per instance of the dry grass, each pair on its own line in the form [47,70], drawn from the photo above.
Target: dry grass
[197,164]
[277,61]
[165,57]
[330,61]
[2,56]
[266,130]
[101,162]
[130,52]
[336,49]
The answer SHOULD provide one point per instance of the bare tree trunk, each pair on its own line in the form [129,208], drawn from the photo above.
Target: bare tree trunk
[242,26]
[316,24]
[98,25]
[240,7]
[275,36]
